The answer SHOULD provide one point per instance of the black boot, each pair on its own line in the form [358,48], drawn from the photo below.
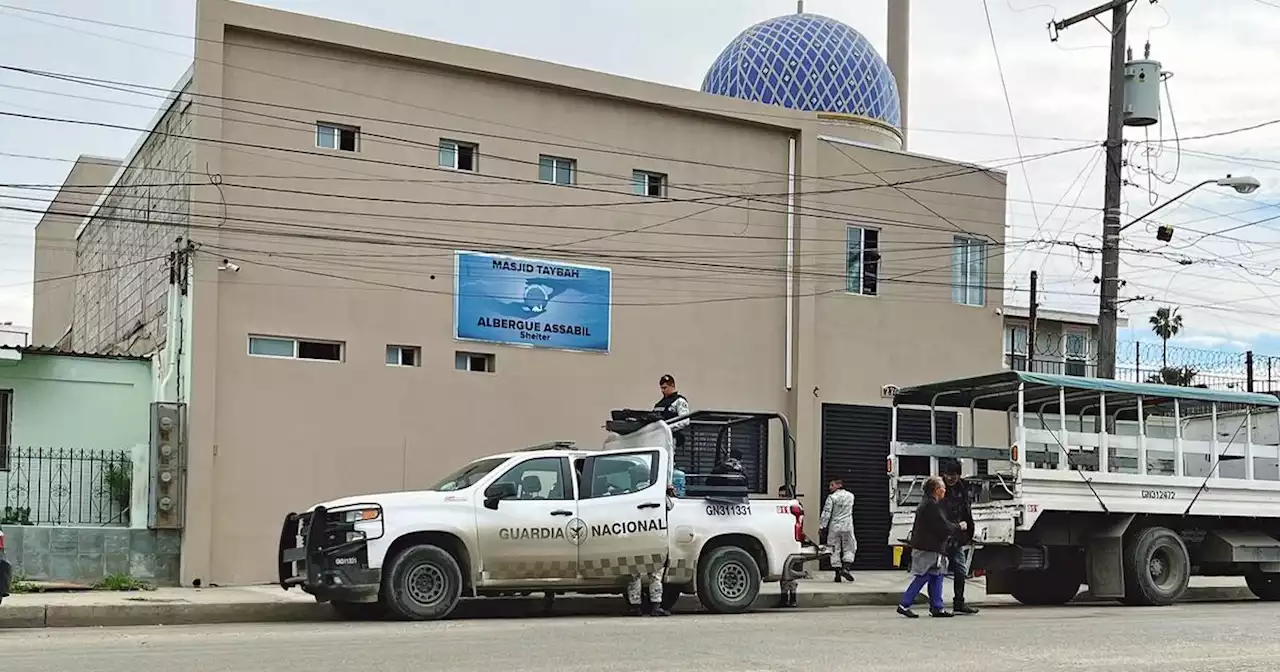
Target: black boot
[844,570]
[958,604]
[940,613]
[959,607]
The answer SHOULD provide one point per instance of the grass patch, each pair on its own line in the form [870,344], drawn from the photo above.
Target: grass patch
[122,583]
[20,584]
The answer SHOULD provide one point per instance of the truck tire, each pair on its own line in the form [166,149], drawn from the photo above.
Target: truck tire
[1045,588]
[1265,586]
[1157,568]
[728,580]
[359,611]
[422,583]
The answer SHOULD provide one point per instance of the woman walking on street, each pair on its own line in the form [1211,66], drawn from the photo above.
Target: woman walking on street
[929,537]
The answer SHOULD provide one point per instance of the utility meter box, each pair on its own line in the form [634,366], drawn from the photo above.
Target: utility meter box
[1142,92]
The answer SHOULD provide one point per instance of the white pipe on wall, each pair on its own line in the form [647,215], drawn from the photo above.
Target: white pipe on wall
[791,261]
[899,54]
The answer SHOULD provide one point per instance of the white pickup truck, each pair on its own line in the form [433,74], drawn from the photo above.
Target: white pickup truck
[551,518]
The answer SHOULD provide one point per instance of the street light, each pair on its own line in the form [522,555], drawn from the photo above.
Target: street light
[1243,185]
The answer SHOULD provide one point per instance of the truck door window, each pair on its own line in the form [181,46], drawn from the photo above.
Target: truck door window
[543,478]
[612,475]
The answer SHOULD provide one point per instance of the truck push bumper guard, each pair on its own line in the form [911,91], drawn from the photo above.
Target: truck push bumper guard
[793,566]
[327,556]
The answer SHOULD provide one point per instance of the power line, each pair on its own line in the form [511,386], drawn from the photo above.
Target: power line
[718,112]
[842,216]
[860,186]
[1013,125]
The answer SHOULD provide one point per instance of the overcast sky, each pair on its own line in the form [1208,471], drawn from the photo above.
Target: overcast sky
[1224,79]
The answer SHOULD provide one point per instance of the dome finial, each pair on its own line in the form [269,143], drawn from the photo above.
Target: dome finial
[799,6]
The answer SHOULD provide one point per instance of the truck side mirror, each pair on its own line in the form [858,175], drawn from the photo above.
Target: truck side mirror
[498,492]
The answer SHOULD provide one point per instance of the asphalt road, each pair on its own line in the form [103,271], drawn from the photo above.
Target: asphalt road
[1195,638]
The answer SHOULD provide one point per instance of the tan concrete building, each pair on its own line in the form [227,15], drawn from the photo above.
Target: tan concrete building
[327,174]
[55,262]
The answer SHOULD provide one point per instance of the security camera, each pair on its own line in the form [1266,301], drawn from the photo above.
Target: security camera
[228,265]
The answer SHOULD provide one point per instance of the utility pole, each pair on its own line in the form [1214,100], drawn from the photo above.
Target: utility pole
[1109,285]
[1032,313]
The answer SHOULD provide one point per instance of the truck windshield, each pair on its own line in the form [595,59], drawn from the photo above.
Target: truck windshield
[468,475]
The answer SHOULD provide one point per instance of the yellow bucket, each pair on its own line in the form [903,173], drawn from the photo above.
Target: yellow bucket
[897,556]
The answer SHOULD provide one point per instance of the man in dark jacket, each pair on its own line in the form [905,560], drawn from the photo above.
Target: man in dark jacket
[957,504]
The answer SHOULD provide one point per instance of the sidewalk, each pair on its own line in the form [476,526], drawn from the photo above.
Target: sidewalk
[270,604]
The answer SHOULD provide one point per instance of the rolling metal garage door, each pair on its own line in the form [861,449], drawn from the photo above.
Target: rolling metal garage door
[855,446]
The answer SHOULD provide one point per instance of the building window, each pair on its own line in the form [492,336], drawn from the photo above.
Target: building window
[479,362]
[6,427]
[458,155]
[334,136]
[1016,352]
[294,348]
[404,355]
[557,170]
[1075,348]
[862,263]
[644,183]
[969,271]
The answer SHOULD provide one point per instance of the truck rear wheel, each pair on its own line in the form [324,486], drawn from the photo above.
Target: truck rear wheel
[728,580]
[1157,567]
[422,583]
[1265,586]
[1045,588]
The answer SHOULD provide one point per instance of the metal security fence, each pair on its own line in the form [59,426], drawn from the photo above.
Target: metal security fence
[65,486]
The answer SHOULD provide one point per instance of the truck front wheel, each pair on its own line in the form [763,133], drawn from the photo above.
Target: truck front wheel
[728,580]
[422,583]
[1157,567]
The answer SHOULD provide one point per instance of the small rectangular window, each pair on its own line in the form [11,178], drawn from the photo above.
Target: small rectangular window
[334,136]
[293,348]
[645,183]
[557,170]
[458,155]
[479,362]
[404,355]
[969,271]
[323,350]
[273,347]
[862,262]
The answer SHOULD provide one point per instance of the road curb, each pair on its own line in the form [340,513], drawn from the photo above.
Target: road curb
[185,613]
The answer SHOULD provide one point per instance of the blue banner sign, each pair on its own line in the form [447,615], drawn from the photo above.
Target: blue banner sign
[531,302]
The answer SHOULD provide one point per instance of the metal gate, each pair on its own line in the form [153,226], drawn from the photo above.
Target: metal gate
[855,448]
[749,438]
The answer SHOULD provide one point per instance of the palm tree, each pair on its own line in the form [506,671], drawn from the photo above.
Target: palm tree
[1166,323]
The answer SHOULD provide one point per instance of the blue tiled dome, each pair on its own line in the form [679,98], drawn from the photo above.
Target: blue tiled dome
[807,62]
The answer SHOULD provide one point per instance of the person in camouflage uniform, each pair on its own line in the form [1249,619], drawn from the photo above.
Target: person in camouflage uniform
[635,584]
[788,586]
[837,520]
